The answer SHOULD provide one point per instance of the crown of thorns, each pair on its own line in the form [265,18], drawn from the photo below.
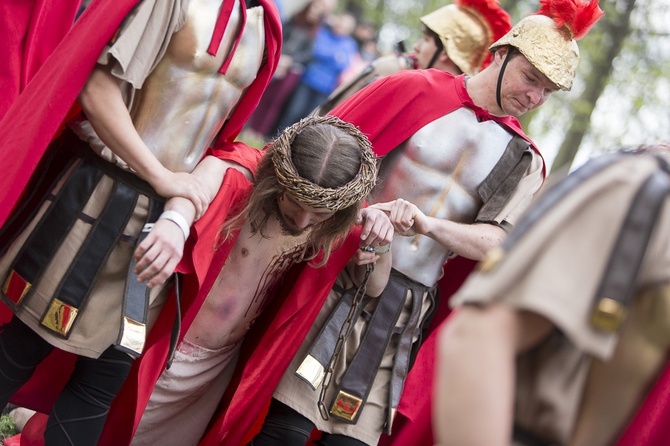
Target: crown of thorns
[310,194]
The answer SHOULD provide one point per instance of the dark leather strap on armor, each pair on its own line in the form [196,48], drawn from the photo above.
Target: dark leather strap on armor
[324,344]
[135,309]
[617,288]
[106,231]
[498,187]
[357,380]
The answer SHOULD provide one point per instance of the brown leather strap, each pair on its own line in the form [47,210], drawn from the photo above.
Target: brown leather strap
[617,287]
[498,187]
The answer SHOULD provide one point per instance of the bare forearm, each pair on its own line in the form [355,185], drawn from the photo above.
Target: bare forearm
[102,101]
[379,276]
[474,384]
[476,368]
[211,170]
[471,241]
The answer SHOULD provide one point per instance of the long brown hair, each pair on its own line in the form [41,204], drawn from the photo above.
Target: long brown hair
[326,152]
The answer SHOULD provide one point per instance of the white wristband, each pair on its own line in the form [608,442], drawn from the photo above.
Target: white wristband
[178,219]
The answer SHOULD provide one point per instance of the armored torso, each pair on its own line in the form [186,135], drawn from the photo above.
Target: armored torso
[439,170]
[185,101]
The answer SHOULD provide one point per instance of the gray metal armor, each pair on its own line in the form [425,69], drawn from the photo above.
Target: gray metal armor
[439,169]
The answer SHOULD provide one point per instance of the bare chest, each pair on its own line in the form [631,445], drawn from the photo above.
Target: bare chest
[252,273]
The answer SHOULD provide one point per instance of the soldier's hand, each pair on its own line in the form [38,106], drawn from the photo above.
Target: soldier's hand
[186,185]
[407,219]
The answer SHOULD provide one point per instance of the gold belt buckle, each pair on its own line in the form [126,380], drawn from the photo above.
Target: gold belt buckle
[15,287]
[134,335]
[346,406]
[60,317]
[311,371]
[607,315]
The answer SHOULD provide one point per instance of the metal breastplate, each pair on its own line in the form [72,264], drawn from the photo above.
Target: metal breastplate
[185,100]
[439,170]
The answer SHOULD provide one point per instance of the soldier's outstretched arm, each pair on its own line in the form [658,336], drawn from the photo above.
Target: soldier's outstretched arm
[472,241]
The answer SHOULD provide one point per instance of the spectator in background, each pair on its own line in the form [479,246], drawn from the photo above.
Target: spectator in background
[280,8]
[298,37]
[365,35]
[333,51]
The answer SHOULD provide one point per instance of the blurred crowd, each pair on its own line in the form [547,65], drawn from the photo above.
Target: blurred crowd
[323,47]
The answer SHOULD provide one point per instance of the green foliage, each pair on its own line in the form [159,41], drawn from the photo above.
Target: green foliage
[7,428]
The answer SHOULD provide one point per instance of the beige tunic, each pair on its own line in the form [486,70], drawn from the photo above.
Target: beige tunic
[186,395]
[296,393]
[142,42]
[582,385]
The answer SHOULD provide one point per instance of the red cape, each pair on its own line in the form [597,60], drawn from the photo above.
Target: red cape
[27,42]
[26,130]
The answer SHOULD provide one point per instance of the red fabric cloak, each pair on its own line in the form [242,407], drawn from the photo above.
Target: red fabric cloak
[27,129]
[27,42]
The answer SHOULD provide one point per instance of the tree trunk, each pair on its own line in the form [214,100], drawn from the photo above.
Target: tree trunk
[615,29]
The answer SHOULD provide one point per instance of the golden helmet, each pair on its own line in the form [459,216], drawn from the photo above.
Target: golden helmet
[466,29]
[548,39]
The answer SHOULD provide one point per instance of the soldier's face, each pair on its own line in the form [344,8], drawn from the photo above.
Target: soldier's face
[424,49]
[524,87]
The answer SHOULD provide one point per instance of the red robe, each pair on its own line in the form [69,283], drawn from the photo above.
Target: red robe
[55,86]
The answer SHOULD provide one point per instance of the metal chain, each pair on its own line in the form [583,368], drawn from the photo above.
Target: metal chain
[345,330]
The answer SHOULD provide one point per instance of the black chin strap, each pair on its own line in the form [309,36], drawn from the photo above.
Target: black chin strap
[434,59]
[500,76]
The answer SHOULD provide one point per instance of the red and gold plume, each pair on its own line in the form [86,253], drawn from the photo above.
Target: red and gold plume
[577,15]
[497,18]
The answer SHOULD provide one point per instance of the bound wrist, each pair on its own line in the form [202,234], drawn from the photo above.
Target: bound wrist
[177,219]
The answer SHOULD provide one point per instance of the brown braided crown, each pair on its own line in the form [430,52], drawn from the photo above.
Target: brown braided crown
[312,194]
